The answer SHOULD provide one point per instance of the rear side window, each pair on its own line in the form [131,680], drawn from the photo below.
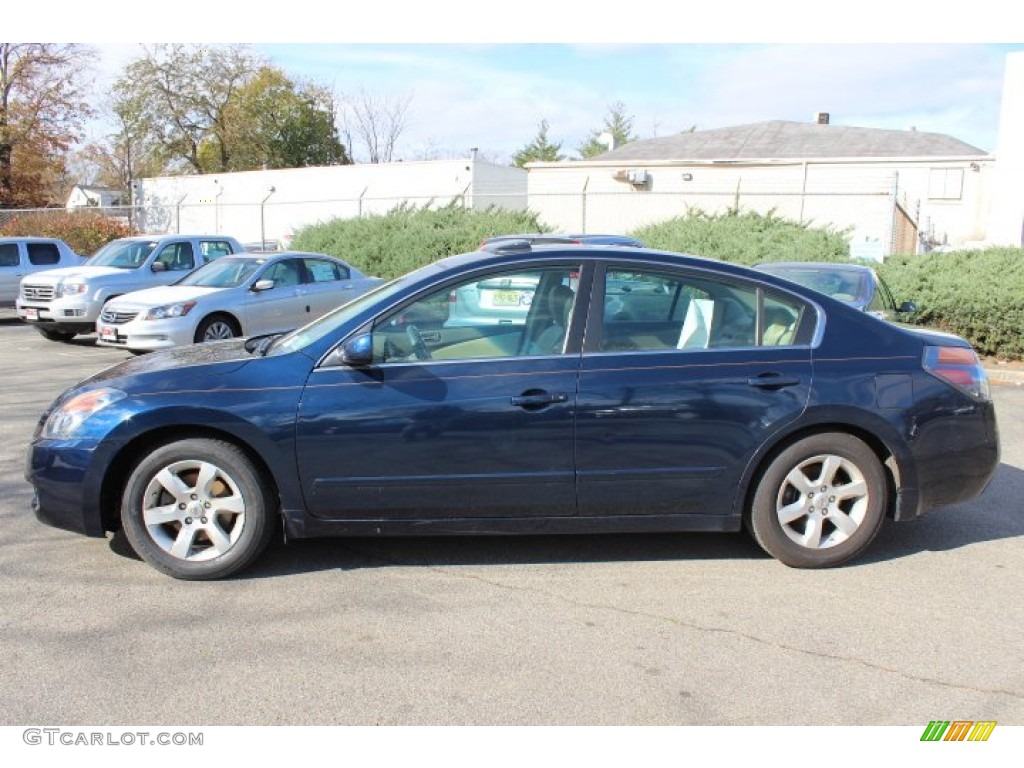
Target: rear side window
[321,271]
[9,255]
[212,249]
[654,311]
[42,254]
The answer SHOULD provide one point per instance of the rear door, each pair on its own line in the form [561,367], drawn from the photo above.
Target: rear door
[11,271]
[684,375]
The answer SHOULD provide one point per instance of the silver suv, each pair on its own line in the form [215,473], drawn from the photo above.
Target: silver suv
[62,303]
[21,256]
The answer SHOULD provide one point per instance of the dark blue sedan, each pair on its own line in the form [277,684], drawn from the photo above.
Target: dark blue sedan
[641,391]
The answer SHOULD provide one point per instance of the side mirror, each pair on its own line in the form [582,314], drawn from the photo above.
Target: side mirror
[159,266]
[908,307]
[358,351]
[263,285]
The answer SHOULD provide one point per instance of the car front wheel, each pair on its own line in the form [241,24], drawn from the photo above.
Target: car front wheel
[820,501]
[217,328]
[197,509]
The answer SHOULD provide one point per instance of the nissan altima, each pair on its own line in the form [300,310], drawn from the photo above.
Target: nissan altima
[708,397]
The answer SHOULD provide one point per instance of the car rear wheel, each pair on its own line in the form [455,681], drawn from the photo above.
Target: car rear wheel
[217,327]
[197,509]
[820,501]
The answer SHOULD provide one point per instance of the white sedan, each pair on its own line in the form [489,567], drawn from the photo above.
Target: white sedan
[243,295]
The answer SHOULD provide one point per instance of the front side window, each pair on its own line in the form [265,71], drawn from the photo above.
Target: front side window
[178,257]
[655,311]
[502,314]
[284,273]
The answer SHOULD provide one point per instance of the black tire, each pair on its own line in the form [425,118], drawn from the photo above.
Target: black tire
[215,520]
[54,335]
[216,328]
[820,501]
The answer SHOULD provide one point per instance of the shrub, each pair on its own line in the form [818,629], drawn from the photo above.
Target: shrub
[745,238]
[409,237]
[975,294]
[85,232]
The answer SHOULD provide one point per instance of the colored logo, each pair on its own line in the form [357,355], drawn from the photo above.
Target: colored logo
[958,730]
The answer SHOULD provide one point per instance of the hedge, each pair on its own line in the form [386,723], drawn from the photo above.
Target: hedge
[408,237]
[976,294]
[84,232]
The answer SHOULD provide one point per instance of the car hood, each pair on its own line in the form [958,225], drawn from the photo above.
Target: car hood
[84,273]
[160,295]
[216,358]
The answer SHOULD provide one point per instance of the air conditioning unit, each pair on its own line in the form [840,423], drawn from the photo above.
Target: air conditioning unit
[638,177]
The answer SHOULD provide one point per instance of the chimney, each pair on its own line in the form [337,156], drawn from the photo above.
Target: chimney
[821,118]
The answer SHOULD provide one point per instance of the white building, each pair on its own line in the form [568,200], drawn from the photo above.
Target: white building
[273,204]
[886,188]
[83,196]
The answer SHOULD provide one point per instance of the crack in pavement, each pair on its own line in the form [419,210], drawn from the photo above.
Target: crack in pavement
[697,627]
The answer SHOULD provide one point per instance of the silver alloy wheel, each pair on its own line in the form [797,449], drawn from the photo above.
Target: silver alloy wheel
[822,501]
[193,510]
[218,329]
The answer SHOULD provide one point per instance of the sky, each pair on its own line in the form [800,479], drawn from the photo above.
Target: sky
[484,76]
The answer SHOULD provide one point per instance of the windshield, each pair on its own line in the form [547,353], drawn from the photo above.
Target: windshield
[223,273]
[123,254]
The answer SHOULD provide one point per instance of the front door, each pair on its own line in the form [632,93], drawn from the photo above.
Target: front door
[461,414]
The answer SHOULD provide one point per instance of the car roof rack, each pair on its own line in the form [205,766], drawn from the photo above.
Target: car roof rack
[508,246]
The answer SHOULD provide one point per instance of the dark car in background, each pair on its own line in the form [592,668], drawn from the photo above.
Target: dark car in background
[854,284]
[707,397]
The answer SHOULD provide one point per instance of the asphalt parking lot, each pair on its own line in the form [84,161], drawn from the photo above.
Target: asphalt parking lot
[678,629]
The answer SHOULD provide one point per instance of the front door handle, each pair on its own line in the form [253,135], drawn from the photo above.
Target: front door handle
[772,381]
[535,399]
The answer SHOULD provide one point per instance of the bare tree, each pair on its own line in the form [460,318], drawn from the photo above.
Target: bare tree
[42,106]
[376,121]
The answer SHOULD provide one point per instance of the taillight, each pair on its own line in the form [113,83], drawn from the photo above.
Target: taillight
[958,366]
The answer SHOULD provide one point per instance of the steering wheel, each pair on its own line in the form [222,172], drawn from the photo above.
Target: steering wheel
[419,347]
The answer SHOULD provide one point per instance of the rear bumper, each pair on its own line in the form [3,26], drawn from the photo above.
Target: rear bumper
[956,454]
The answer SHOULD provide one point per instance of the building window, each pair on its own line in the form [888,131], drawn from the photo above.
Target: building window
[946,183]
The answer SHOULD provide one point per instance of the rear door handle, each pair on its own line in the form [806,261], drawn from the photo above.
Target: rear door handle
[772,381]
[533,400]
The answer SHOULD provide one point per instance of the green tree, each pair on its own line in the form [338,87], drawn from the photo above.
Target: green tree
[42,107]
[278,124]
[539,150]
[187,93]
[616,124]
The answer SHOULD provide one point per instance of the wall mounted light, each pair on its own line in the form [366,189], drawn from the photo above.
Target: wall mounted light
[687,177]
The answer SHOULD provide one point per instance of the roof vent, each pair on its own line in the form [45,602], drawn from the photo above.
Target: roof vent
[821,118]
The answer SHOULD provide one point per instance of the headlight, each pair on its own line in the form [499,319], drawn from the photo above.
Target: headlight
[64,421]
[73,289]
[169,310]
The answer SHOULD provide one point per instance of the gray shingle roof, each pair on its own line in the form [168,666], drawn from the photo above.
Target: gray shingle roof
[783,139]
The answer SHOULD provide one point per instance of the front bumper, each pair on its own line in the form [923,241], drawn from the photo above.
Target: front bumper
[67,491]
[68,313]
[145,335]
